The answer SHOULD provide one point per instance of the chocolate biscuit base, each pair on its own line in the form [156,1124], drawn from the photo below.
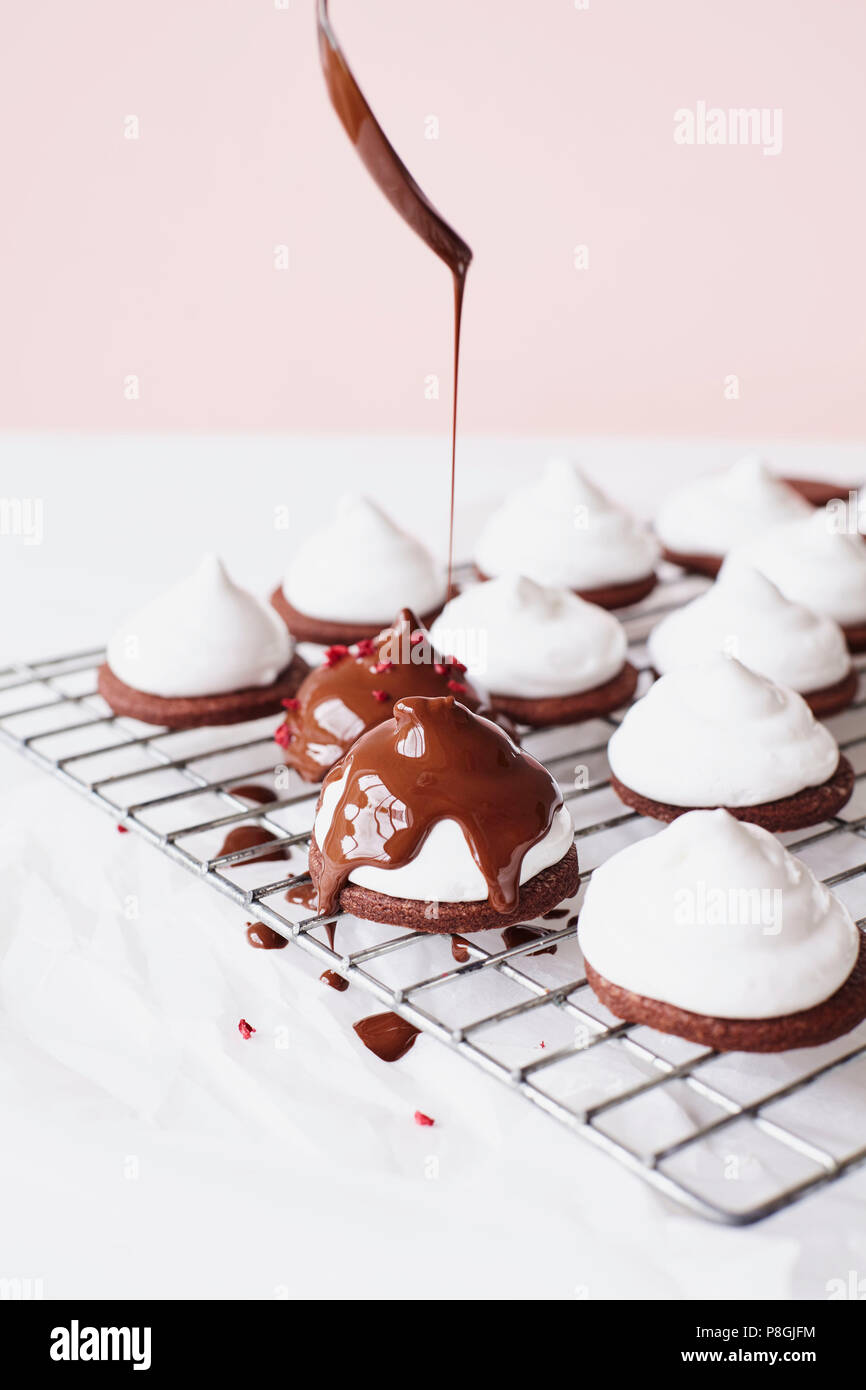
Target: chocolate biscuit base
[855,636]
[696,562]
[620,595]
[609,595]
[831,699]
[537,896]
[570,709]
[809,1028]
[818,493]
[327,632]
[808,807]
[194,712]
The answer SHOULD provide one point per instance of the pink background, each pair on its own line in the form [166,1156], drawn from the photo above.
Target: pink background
[155,256]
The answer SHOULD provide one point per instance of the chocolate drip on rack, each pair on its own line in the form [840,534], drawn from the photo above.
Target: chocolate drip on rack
[519,935]
[264,938]
[306,895]
[253,791]
[460,949]
[303,895]
[245,837]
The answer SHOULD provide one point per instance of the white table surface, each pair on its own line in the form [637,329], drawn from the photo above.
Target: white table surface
[149,1151]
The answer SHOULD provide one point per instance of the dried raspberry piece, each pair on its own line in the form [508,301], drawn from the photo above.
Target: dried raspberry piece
[123,830]
[366,647]
[245,1029]
[416,638]
[291,703]
[440,669]
[380,695]
[422,1119]
[383,666]
[338,652]
[283,736]
[458,687]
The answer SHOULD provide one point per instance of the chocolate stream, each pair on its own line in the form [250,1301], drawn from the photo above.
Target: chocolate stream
[388,171]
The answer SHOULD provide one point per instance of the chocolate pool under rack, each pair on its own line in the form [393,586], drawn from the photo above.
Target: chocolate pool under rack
[732,1138]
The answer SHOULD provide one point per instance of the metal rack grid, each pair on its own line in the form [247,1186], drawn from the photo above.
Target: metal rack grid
[729,1138]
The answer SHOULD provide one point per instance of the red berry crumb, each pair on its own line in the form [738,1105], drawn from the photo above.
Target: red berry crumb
[416,638]
[381,696]
[440,669]
[366,647]
[422,1119]
[291,704]
[123,830]
[283,736]
[383,666]
[245,1029]
[458,687]
[335,654]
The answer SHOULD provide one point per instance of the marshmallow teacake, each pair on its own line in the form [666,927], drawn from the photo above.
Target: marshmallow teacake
[524,641]
[359,569]
[813,562]
[440,817]
[562,531]
[714,920]
[203,636]
[745,615]
[717,734]
[704,520]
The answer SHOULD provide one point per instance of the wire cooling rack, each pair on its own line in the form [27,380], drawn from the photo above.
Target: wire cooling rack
[731,1137]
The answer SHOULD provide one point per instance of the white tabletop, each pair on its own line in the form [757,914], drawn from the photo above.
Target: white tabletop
[150,1151]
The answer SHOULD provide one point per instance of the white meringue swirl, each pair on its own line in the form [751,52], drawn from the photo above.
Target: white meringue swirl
[745,615]
[563,531]
[813,562]
[713,514]
[204,636]
[717,734]
[520,638]
[362,568]
[715,916]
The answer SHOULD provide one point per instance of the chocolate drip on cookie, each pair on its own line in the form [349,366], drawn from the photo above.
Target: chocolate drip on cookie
[435,761]
[356,688]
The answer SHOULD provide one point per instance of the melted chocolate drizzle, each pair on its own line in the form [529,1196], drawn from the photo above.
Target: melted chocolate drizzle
[330,977]
[388,1035]
[264,938]
[387,169]
[306,895]
[348,695]
[460,949]
[435,761]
